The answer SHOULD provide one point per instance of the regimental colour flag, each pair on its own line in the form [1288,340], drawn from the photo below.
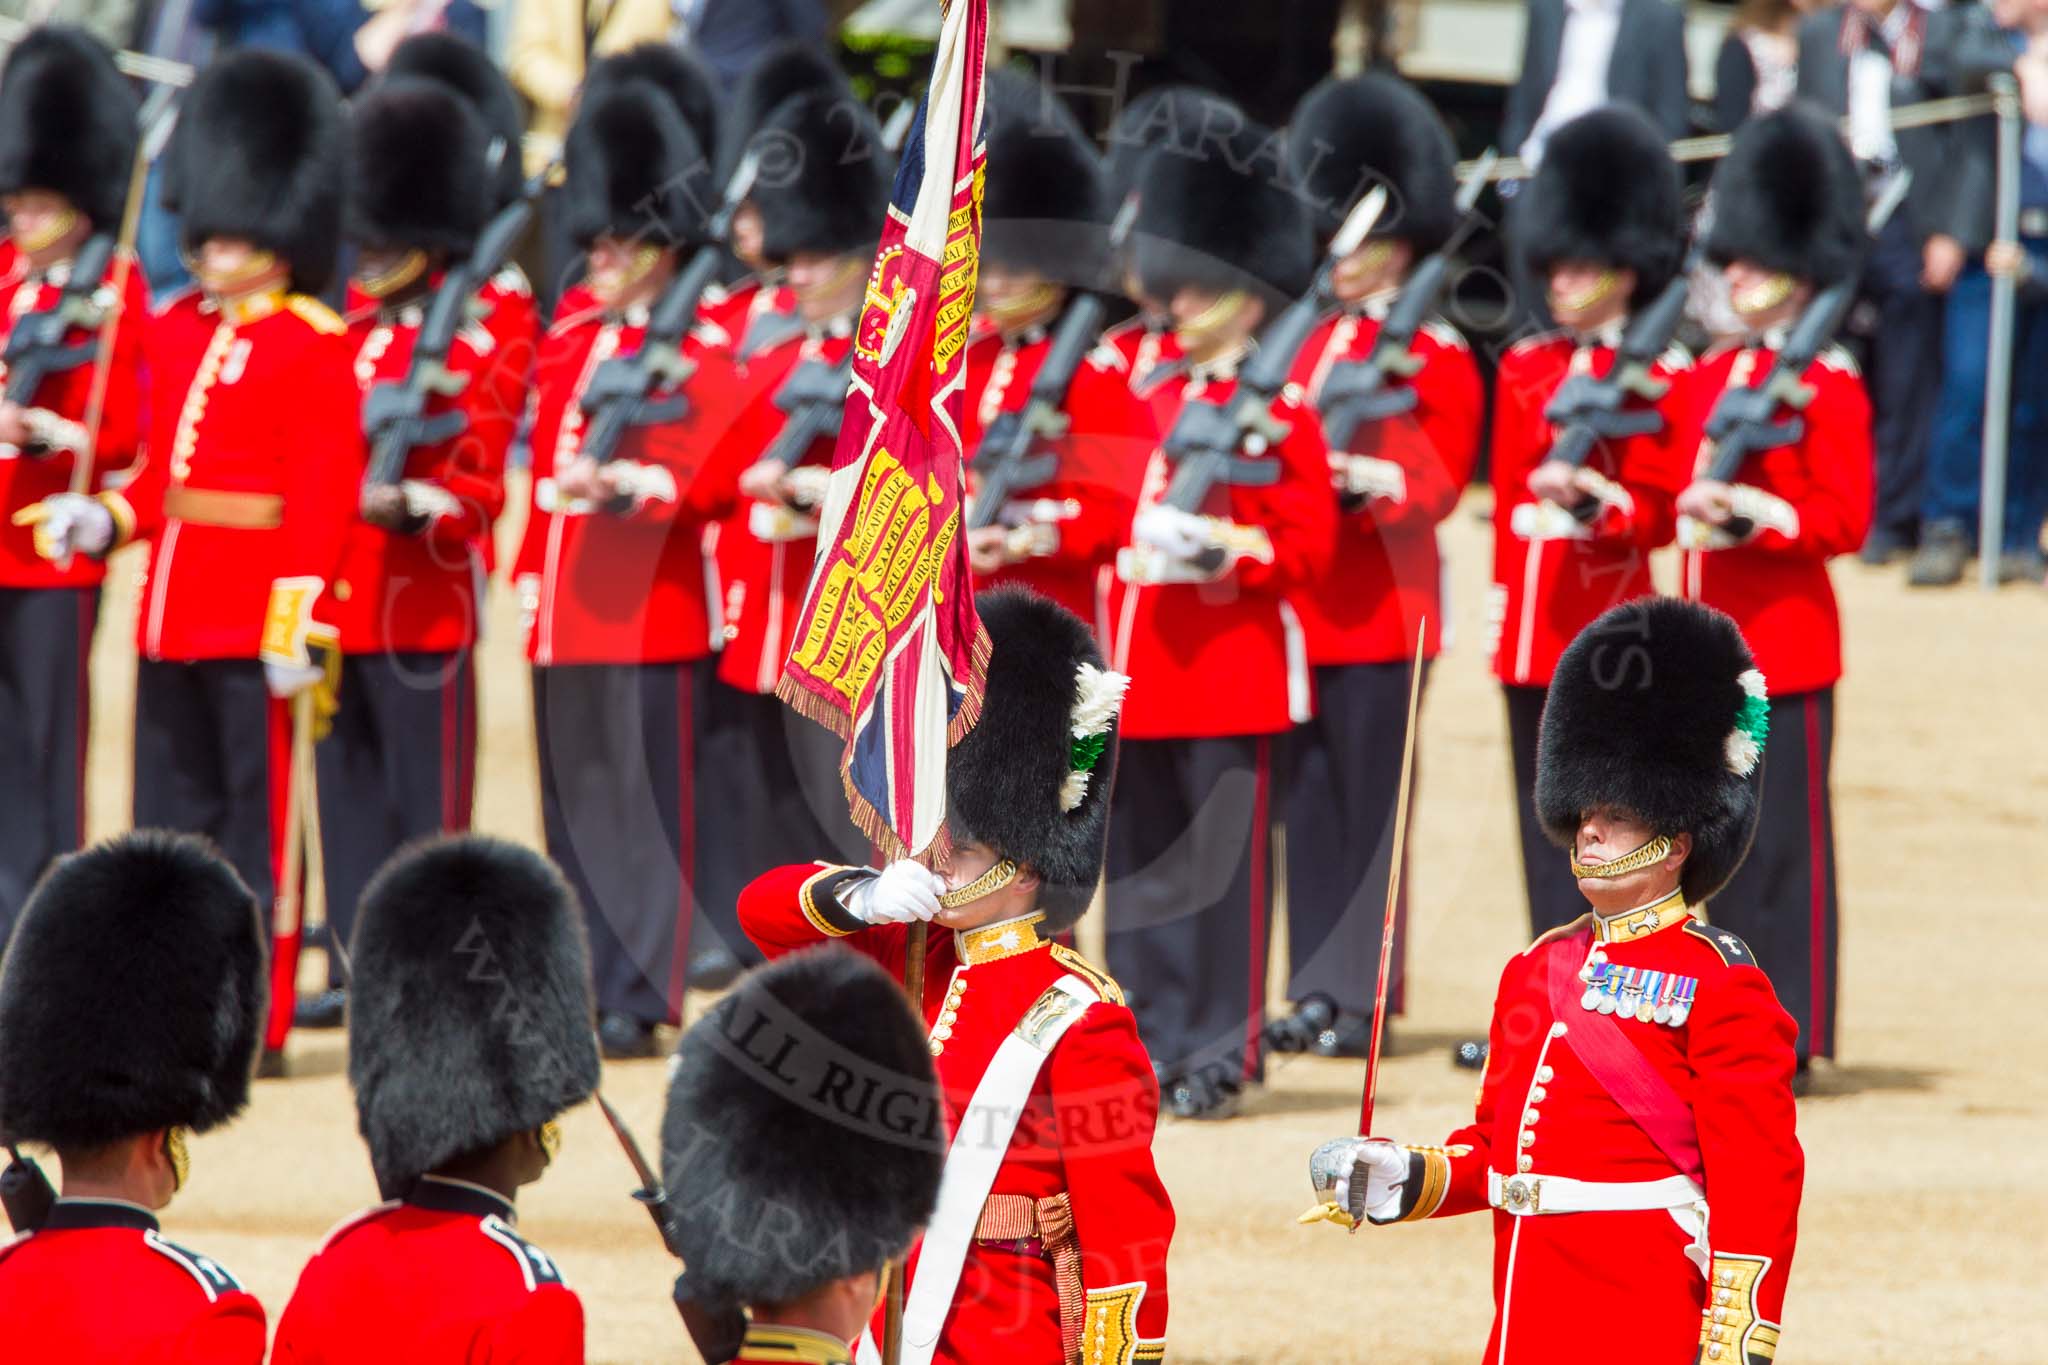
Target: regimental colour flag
[889,651]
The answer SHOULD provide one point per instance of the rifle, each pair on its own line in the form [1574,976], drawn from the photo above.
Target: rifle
[36,349]
[1358,392]
[716,1330]
[814,396]
[1590,410]
[1010,459]
[1743,421]
[25,1192]
[395,412]
[1209,442]
[616,399]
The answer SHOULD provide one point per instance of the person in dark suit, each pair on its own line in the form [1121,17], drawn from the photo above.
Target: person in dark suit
[1860,61]
[1580,54]
[1758,66]
[2002,37]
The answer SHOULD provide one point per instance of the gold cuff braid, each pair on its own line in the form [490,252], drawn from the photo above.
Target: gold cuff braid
[1731,1330]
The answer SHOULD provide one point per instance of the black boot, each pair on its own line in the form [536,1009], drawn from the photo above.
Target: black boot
[1470,1054]
[328,1009]
[621,1037]
[1301,1030]
[1209,1092]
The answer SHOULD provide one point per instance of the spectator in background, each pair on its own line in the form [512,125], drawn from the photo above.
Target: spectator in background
[2004,36]
[1758,68]
[352,39]
[110,21]
[1859,61]
[551,45]
[732,35]
[1580,54]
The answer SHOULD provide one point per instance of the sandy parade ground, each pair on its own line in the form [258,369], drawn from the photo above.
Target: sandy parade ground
[1927,1144]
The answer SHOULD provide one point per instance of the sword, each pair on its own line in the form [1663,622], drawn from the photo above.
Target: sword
[1379,1010]
[1323,1172]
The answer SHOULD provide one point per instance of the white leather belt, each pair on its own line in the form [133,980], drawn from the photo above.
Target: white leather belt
[1523,1195]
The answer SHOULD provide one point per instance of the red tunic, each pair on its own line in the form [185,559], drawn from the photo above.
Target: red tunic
[1543,1112]
[1546,591]
[25,479]
[257,399]
[1227,657]
[1140,350]
[1776,584]
[1386,575]
[421,592]
[1086,1133]
[1101,461]
[99,1284]
[625,586]
[440,1276]
[764,569]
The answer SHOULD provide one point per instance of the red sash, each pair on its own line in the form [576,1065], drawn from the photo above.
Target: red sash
[1618,1066]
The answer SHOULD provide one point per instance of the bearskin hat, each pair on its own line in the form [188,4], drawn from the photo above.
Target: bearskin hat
[1042,208]
[469,1008]
[133,995]
[1788,197]
[1607,191]
[637,170]
[467,69]
[418,175]
[67,123]
[1349,135]
[823,180]
[686,81]
[1657,709]
[787,71]
[1180,117]
[849,1156]
[1222,213]
[260,153]
[1031,780]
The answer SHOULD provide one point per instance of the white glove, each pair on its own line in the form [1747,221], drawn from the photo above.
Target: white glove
[1370,1187]
[67,524]
[905,892]
[288,680]
[1363,476]
[1173,532]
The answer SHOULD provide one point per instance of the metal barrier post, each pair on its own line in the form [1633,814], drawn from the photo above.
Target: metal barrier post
[2005,97]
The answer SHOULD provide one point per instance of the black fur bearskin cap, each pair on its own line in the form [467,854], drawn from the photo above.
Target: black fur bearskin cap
[133,995]
[803,1140]
[469,1009]
[1657,709]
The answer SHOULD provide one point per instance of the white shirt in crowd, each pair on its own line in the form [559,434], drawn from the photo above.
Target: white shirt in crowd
[1870,90]
[1584,54]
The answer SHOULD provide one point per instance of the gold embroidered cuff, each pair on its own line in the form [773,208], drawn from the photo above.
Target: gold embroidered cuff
[1436,1183]
[1731,1330]
[818,897]
[1109,1327]
[288,622]
[123,513]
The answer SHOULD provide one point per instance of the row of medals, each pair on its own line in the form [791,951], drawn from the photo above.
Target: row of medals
[1637,993]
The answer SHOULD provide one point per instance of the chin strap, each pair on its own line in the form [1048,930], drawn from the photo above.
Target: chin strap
[988,883]
[1656,851]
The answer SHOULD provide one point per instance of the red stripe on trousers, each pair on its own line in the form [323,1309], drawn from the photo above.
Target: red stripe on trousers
[686,840]
[284,948]
[1817,857]
[1255,1016]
